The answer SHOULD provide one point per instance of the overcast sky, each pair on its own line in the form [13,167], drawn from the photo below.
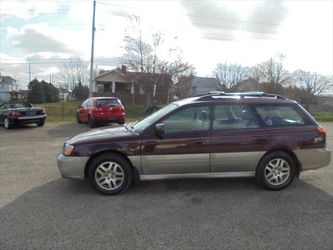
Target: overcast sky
[45,32]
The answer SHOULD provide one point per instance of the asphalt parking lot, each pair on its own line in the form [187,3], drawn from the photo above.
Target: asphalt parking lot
[40,210]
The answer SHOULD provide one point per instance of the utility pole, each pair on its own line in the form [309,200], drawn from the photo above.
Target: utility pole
[29,72]
[92,80]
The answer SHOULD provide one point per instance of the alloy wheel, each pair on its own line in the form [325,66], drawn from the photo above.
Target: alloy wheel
[109,175]
[6,123]
[277,171]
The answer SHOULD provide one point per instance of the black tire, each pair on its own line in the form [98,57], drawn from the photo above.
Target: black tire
[121,169]
[77,118]
[40,123]
[121,122]
[276,170]
[91,122]
[6,123]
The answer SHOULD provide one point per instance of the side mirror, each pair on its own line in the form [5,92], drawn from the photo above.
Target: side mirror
[160,130]
[28,105]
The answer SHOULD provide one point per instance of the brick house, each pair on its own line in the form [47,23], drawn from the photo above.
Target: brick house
[132,87]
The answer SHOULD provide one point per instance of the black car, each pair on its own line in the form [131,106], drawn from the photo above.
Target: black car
[19,113]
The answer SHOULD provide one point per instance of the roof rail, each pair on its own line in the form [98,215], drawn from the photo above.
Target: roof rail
[244,94]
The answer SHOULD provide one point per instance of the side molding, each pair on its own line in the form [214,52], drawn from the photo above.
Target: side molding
[197,175]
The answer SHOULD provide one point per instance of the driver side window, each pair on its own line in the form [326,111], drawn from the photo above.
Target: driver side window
[188,119]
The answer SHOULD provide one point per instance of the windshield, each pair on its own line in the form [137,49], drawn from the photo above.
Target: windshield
[145,123]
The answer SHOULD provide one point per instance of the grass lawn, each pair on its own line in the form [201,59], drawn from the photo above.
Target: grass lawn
[323,116]
[57,112]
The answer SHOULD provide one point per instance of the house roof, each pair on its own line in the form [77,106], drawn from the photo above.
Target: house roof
[114,75]
[121,75]
[6,80]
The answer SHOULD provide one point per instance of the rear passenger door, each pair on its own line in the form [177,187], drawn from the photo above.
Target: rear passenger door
[238,139]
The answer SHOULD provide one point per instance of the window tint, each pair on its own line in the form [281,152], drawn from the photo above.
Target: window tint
[279,115]
[107,102]
[233,117]
[188,119]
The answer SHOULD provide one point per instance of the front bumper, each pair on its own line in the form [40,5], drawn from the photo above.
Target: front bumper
[72,167]
[27,119]
[313,158]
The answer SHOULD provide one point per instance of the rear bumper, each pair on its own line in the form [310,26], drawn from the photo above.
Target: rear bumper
[120,119]
[313,158]
[72,167]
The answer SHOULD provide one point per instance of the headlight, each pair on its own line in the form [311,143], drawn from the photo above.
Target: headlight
[68,149]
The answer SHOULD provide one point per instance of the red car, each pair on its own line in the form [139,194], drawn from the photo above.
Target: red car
[101,109]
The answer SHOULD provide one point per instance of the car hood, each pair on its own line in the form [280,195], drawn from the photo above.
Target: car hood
[100,135]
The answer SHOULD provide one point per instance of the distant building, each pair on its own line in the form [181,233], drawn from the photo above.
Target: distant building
[7,86]
[203,85]
[131,87]
[64,94]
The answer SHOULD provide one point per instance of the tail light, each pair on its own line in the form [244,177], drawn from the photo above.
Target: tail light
[14,114]
[322,133]
[43,111]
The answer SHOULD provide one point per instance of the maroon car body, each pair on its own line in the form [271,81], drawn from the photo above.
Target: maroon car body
[267,137]
[101,109]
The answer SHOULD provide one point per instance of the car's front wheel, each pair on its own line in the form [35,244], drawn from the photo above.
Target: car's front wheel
[6,123]
[110,173]
[40,123]
[276,170]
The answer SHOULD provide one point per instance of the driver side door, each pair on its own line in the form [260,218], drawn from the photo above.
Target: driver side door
[184,147]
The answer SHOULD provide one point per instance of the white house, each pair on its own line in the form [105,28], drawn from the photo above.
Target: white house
[7,85]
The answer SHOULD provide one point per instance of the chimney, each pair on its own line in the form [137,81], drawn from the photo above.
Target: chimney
[123,69]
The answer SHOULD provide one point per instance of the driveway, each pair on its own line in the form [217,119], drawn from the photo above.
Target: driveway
[40,210]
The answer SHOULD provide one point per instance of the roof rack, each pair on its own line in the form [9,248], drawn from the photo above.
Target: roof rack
[244,94]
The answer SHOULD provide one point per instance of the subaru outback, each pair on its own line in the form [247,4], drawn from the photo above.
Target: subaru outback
[254,134]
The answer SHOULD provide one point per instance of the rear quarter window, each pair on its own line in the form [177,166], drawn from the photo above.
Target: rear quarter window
[275,115]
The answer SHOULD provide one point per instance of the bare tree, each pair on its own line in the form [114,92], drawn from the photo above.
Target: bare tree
[272,71]
[313,83]
[231,74]
[73,72]
[144,56]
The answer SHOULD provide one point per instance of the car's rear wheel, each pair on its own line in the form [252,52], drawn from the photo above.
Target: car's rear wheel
[91,122]
[276,170]
[6,123]
[78,118]
[121,122]
[110,174]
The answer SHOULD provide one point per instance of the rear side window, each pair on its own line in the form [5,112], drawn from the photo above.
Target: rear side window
[233,117]
[107,102]
[274,116]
